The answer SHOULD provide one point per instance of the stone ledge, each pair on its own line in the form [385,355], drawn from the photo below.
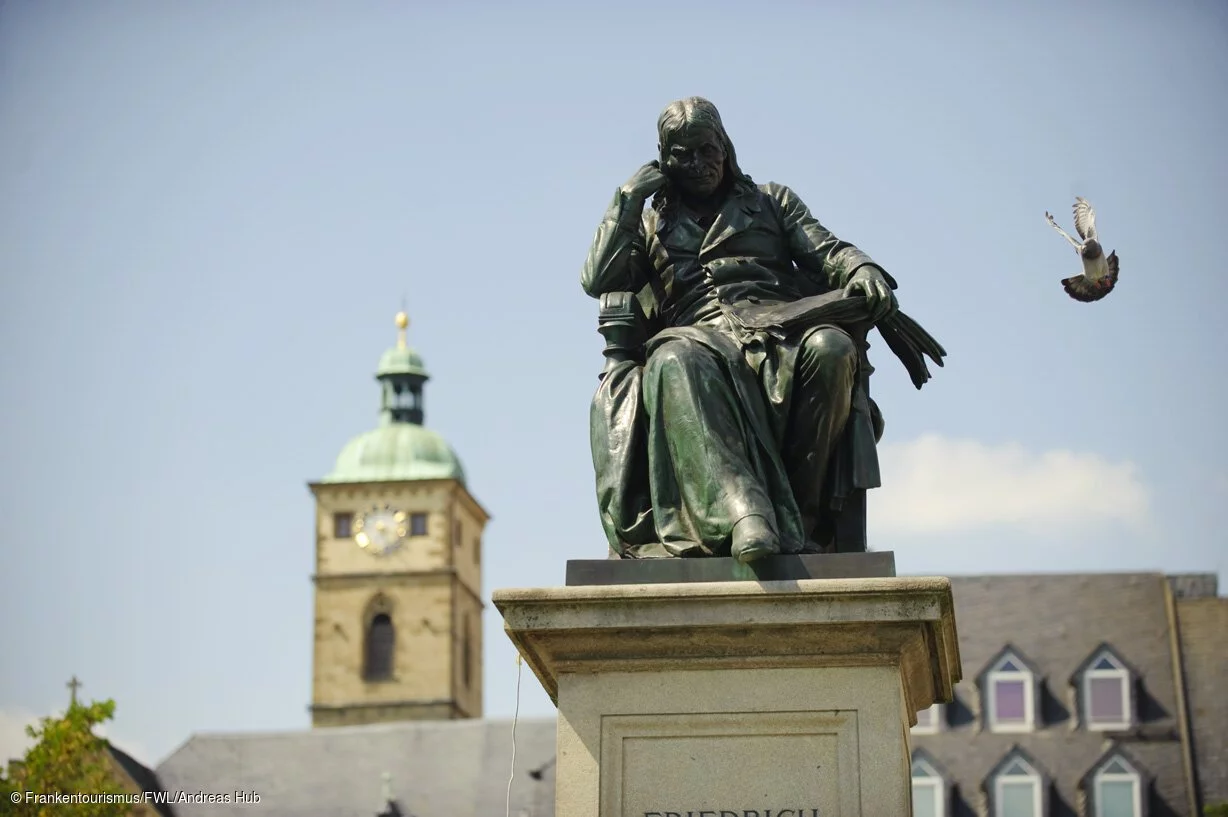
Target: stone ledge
[725,569]
[904,622]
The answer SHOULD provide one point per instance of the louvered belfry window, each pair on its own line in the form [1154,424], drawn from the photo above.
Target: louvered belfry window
[381,638]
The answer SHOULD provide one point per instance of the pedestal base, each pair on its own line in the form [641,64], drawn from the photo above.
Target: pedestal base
[726,569]
[742,699]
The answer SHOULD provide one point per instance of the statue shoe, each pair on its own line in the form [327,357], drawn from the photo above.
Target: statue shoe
[753,539]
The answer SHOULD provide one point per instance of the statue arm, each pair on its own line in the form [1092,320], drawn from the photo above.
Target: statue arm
[618,260]
[814,248]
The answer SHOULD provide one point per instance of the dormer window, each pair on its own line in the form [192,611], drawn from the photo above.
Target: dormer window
[1016,788]
[929,721]
[929,788]
[1008,689]
[1104,684]
[1117,791]
[1115,787]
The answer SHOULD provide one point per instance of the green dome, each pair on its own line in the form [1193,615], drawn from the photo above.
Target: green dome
[401,360]
[400,448]
[396,451]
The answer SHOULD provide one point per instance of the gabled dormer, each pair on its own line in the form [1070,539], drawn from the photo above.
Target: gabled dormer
[1009,687]
[1115,786]
[1104,691]
[931,786]
[1017,787]
[930,721]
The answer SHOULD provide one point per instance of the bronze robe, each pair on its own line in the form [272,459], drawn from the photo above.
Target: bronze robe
[763,248]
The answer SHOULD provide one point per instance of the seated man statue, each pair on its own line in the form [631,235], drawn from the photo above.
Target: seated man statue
[741,424]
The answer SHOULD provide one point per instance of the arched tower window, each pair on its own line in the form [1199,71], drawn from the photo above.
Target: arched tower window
[381,638]
[379,641]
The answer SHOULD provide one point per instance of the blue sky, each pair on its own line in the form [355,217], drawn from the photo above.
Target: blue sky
[210,212]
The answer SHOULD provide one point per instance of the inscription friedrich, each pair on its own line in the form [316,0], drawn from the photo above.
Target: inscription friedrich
[784,812]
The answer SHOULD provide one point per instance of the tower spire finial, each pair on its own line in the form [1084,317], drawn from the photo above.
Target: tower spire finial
[402,325]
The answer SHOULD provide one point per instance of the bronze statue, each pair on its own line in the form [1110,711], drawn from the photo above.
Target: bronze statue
[733,416]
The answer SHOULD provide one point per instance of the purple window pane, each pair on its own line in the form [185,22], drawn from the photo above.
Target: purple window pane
[1106,702]
[1009,701]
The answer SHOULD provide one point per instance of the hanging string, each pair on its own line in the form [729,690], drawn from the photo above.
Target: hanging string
[515,718]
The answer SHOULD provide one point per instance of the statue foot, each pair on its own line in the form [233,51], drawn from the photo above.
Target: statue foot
[753,539]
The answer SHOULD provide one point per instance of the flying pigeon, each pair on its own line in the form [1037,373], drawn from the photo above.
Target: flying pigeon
[1099,273]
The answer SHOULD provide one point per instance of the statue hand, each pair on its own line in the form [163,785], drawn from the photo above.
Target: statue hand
[646,181]
[869,281]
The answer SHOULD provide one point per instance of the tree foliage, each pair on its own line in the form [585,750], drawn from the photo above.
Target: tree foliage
[66,759]
[1216,809]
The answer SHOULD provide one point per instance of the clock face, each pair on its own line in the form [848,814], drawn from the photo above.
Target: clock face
[381,530]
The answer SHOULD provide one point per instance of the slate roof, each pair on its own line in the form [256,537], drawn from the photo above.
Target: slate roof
[1057,621]
[141,775]
[454,768]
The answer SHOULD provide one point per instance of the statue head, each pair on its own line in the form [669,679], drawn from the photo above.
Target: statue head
[695,151]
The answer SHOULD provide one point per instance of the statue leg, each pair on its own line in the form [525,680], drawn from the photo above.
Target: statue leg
[822,397]
[701,455]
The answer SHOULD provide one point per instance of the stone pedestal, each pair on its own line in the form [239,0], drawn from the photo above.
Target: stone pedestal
[787,698]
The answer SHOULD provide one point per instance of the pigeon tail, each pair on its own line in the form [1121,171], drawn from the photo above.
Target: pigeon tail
[1082,289]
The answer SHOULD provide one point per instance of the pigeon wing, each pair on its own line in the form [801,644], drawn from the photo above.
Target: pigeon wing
[1084,218]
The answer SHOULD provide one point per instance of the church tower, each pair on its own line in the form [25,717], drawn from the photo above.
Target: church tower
[398,581]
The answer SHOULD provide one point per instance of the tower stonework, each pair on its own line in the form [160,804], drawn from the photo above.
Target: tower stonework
[398,574]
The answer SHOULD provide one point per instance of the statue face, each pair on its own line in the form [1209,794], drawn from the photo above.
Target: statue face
[695,161]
